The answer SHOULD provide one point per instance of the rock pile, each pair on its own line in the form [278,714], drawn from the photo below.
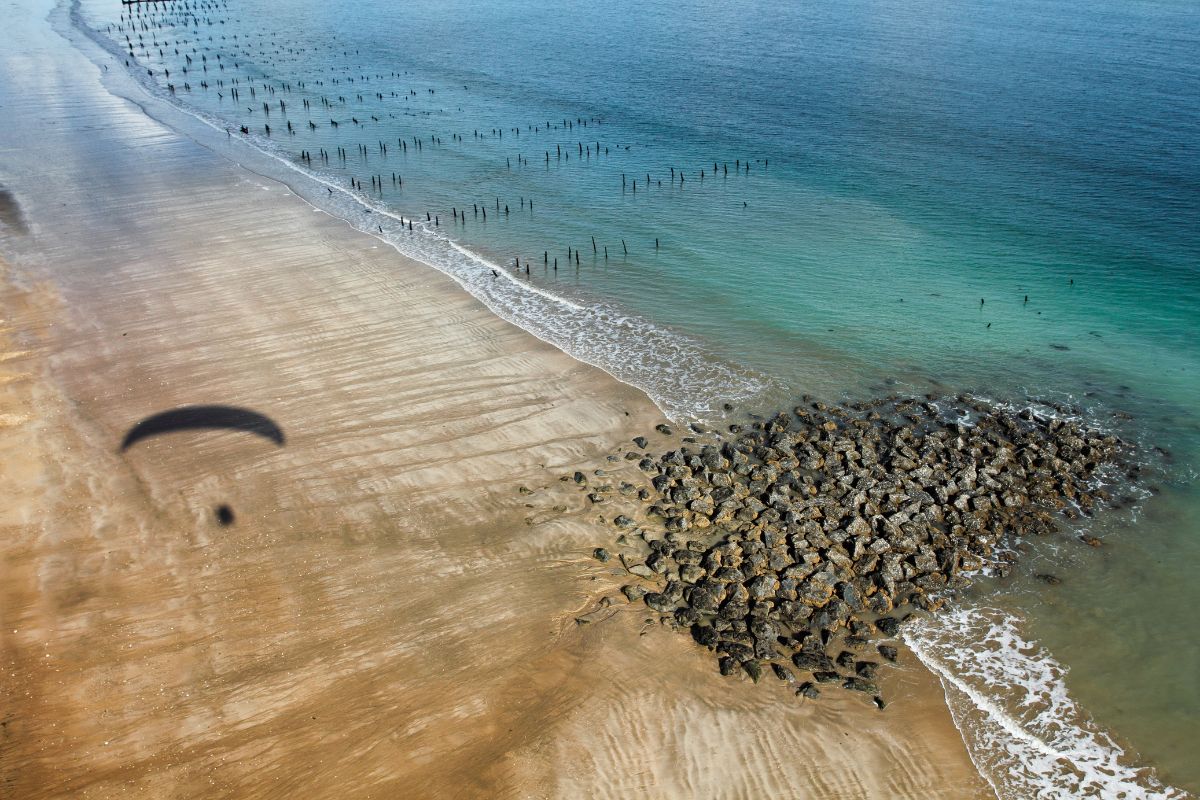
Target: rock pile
[810,534]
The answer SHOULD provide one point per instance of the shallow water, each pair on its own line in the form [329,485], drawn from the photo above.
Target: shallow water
[975,196]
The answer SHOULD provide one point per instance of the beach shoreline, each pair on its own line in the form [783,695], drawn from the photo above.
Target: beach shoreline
[388,609]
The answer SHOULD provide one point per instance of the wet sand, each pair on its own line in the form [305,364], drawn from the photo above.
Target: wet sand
[389,615]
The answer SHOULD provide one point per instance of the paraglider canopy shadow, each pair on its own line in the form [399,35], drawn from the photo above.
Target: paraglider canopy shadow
[204,418]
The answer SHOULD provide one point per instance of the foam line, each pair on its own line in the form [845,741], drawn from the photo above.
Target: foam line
[1023,731]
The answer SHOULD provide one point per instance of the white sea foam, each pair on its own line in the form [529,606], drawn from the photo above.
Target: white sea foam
[1024,732]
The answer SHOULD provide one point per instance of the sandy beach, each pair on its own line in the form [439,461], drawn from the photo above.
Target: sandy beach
[404,604]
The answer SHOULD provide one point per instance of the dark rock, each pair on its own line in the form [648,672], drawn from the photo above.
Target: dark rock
[686,616]
[866,669]
[888,626]
[826,677]
[1047,578]
[815,591]
[601,555]
[633,593]
[704,635]
[763,629]
[762,586]
[642,571]
[806,689]
[735,650]
[658,562]
[659,602]
[729,575]
[731,610]
[860,685]
[705,598]
[812,662]
[765,649]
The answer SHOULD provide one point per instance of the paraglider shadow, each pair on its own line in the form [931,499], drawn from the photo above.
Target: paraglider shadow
[204,418]
[190,418]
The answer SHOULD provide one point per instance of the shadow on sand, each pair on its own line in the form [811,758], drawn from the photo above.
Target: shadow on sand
[204,418]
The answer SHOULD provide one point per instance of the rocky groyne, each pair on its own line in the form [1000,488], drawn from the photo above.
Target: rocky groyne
[796,545]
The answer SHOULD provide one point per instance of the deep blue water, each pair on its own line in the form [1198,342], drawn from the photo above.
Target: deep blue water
[999,197]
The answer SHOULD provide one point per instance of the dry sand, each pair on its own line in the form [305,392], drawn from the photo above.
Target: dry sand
[389,615]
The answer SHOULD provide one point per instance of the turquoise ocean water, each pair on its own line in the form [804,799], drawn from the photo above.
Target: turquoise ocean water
[841,199]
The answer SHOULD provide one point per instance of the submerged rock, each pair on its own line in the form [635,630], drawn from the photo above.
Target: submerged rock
[860,685]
